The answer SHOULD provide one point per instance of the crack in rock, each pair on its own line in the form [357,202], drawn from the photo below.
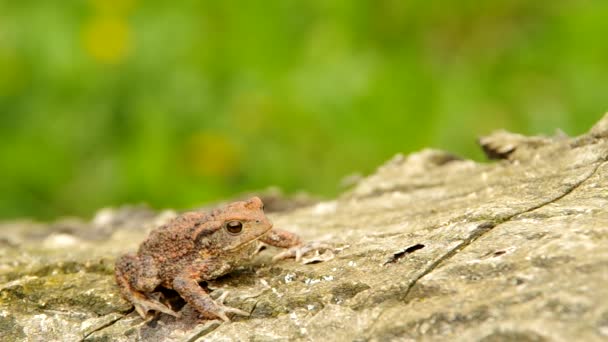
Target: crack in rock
[487,226]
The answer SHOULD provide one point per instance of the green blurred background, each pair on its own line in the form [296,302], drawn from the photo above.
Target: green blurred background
[179,103]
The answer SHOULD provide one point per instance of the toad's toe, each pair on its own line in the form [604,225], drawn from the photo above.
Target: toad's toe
[298,251]
[221,310]
[144,304]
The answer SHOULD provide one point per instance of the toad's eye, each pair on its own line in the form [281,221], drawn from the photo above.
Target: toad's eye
[234,227]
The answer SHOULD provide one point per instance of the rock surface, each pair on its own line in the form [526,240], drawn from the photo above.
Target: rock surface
[430,247]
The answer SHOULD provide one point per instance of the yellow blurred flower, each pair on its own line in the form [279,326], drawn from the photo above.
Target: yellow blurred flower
[251,112]
[107,39]
[212,155]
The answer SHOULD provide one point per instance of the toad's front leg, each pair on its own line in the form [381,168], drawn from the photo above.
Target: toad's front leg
[292,242]
[186,284]
[281,238]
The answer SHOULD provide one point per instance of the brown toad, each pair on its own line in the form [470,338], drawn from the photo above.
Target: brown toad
[194,247]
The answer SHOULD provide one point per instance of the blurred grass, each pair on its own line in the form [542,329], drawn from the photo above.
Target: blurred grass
[178,103]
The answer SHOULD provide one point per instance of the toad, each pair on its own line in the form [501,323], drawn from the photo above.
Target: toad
[197,246]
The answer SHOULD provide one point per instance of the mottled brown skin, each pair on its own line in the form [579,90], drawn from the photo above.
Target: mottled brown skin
[195,247]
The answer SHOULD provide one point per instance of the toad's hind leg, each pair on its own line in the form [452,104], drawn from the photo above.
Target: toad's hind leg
[134,286]
[186,284]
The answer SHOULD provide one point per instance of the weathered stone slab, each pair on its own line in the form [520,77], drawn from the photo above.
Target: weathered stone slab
[429,247]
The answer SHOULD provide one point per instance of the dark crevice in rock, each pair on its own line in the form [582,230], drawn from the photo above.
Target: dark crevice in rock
[401,254]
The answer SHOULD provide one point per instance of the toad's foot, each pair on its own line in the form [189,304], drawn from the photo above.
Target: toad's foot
[144,303]
[298,251]
[221,310]
[188,288]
